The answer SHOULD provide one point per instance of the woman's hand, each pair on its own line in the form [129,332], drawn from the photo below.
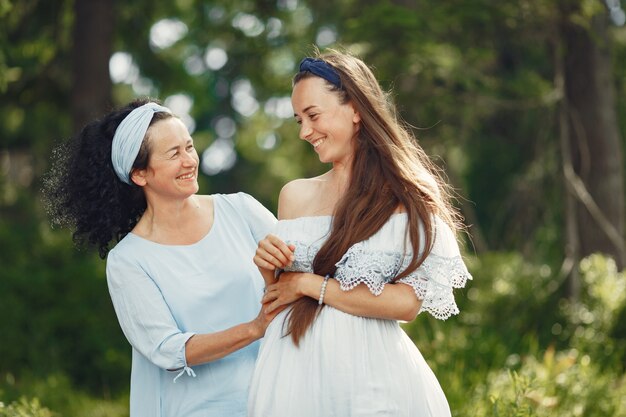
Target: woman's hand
[284,292]
[272,253]
[264,318]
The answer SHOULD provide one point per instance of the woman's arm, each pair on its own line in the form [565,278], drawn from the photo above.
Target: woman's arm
[272,254]
[396,302]
[149,326]
[208,347]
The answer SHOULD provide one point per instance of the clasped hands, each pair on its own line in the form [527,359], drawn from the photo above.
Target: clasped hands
[273,255]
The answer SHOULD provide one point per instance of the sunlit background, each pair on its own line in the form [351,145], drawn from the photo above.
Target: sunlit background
[522,104]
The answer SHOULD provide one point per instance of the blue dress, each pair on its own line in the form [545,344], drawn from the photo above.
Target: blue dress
[164,294]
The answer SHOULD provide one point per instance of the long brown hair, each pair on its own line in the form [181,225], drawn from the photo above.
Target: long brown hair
[389,170]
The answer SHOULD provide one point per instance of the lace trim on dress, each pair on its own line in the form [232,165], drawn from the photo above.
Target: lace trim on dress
[433,281]
[372,268]
[303,256]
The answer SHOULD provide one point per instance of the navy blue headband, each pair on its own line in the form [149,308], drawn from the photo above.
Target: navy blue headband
[321,69]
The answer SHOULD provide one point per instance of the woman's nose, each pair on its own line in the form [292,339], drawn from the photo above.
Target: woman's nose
[190,159]
[305,131]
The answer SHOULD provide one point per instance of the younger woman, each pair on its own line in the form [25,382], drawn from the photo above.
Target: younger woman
[374,245]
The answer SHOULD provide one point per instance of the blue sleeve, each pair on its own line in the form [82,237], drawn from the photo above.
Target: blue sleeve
[144,315]
[260,220]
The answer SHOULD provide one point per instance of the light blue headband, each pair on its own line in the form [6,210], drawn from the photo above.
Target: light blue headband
[129,136]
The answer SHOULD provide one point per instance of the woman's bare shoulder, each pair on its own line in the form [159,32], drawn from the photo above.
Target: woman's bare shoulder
[299,198]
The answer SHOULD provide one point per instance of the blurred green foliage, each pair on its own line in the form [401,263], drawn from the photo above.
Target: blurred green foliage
[55,396]
[56,315]
[516,350]
[475,78]
[25,408]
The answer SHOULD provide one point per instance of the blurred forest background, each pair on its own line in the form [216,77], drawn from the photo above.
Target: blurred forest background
[522,103]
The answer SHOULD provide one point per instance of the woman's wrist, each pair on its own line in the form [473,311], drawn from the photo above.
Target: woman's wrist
[323,290]
[255,329]
[310,285]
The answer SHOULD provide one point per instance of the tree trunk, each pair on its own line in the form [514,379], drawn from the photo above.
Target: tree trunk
[569,268]
[597,178]
[93,40]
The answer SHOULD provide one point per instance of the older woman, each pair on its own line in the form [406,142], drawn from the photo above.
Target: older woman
[181,278]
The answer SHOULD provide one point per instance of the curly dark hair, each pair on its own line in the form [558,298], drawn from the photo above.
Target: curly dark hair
[81,190]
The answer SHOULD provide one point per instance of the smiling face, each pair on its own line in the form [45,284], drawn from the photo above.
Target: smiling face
[172,169]
[327,124]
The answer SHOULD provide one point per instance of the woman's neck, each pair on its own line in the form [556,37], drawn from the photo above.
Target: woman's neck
[339,178]
[172,220]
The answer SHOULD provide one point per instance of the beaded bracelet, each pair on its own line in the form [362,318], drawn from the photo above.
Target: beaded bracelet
[323,290]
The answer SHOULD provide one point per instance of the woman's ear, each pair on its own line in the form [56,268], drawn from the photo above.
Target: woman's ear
[356,118]
[138,176]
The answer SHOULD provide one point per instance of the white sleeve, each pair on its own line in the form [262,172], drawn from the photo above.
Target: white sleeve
[442,271]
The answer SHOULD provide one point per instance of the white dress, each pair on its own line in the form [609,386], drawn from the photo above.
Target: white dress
[349,366]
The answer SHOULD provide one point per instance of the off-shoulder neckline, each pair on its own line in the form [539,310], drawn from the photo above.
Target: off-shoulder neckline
[330,216]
